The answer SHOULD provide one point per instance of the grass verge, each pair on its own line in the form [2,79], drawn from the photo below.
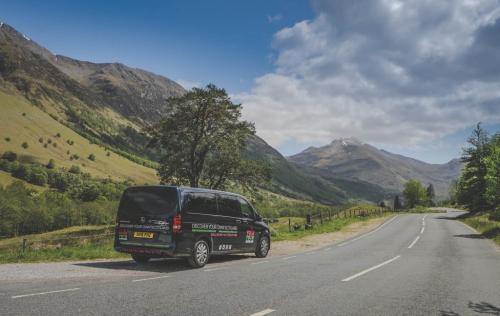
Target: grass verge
[487,227]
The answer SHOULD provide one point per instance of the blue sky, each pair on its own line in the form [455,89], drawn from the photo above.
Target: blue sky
[409,77]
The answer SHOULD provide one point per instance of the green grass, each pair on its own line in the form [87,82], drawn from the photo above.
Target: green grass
[483,224]
[422,210]
[38,124]
[280,229]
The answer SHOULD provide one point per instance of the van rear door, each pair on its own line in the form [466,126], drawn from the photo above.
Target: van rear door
[145,215]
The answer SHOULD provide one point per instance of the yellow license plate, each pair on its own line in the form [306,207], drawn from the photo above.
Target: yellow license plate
[143,235]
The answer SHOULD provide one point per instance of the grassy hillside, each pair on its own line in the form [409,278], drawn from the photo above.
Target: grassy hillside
[6,179]
[48,139]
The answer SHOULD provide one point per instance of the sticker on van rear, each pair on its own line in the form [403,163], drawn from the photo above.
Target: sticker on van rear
[215,230]
[250,236]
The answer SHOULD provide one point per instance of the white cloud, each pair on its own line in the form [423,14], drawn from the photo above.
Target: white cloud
[388,72]
[189,84]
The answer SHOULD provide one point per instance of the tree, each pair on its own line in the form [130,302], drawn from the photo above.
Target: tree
[431,194]
[492,176]
[472,183]
[9,155]
[201,140]
[397,203]
[51,164]
[414,193]
[25,145]
[92,157]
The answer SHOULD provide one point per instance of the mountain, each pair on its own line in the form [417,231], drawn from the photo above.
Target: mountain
[103,107]
[289,180]
[353,160]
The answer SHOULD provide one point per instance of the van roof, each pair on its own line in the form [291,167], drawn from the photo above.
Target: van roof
[189,189]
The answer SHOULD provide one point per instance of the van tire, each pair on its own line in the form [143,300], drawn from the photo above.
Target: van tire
[201,253]
[263,247]
[142,259]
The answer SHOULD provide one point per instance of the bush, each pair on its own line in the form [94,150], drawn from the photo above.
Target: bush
[51,164]
[25,145]
[10,156]
[92,157]
[74,169]
[90,192]
[37,175]
[24,114]
[44,145]
[40,140]
[58,135]
[49,140]
[108,154]
[70,142]
[7,139]
[54,145]
[495,215]
[22,172]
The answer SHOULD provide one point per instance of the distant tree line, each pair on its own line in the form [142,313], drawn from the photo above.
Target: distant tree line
[415,194]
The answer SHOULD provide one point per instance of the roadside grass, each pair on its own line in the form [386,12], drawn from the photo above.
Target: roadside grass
[487,227]
[423,209]
[280,230]
[96,242]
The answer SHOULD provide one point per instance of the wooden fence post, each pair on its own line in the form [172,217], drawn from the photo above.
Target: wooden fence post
[321,217]
[289,225]
[24,244]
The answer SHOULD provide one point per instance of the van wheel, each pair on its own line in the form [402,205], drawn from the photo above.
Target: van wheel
[201,253]
[263,247]
[140,258]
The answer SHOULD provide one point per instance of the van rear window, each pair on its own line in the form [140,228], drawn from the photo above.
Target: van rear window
[151,202]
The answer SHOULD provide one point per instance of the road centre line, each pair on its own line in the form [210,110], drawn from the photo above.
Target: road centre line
[213,269]
[326,249]
[44,293]
[260,262]
[153,278]
[413,242]
[367,234]
[289,257]
[264,312]
[422,230]
[370,269]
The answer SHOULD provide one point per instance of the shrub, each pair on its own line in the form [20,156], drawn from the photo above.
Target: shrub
[40,140]
[75,170]
[51,164]
[75,156]
[25,145]
[7,139]
[37,175]
[70,142]
[49,140]
[54,145]
[68,152]
[24,114]
[90,192]
[44,145]
[21,172]
[58,135]
[92,157]
[9,155]
[108,154]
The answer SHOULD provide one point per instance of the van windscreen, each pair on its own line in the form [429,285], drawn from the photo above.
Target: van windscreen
[150,202]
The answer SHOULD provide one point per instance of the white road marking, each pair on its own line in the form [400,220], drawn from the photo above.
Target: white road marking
[260,262]
[413,242]
[49,292]
[367,234]
[264,312]
[153,278]
[289,257]
[422,230]
[370,269]
[326,249]
[213,269]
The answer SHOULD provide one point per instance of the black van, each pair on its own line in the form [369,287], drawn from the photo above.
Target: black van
[169,221]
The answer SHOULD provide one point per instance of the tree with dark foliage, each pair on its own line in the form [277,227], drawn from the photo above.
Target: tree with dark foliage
[201,140]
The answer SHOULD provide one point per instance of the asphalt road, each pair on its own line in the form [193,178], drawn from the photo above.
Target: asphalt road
[410,265]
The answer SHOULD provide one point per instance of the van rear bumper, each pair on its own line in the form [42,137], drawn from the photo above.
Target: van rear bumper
[159,253]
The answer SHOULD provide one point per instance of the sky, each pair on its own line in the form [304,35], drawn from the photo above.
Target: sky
[412,77]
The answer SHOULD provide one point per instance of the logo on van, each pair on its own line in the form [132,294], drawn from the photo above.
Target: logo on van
[142,219]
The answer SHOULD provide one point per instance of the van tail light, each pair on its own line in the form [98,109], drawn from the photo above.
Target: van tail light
[177,224]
